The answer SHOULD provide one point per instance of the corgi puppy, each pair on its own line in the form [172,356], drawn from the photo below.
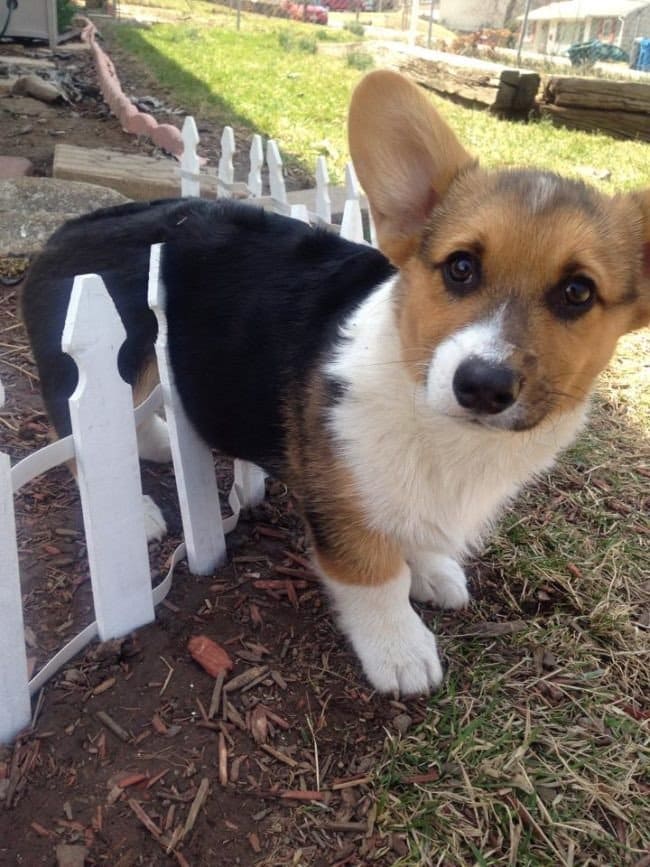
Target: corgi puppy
[404,395]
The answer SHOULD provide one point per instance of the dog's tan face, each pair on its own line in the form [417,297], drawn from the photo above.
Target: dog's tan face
[514,286]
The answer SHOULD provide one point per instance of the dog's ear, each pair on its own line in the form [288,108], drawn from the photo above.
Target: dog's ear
[405,156]
[642,312]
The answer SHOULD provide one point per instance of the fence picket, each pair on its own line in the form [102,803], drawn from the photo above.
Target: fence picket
[103,429]
[190,182]
[323,201]
[15,711]
[226,169]
[276,177]
[198,495]
[256,157]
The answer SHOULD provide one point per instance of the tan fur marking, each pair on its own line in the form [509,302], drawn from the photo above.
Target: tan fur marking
[405,156]
[347,549]
[146,381]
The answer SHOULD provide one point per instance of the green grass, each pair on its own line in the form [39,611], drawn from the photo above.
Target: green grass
[539,735]
[265,78]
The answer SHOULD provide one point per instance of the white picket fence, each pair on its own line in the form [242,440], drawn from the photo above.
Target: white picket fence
[103,443]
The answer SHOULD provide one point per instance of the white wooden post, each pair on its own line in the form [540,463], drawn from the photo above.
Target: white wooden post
[323,202]
[276,178]
[198,494]
[300,212]
[190,183]
[256,162]
[103,430]
[352,222]
[15,711]
[226,170]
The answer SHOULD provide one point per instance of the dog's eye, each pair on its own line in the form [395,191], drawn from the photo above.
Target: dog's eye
[579,291]
[572,297]
[461,272]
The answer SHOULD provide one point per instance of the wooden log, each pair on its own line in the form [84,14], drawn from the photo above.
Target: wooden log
[501,90]
[133,175]
[598,94]
[619,124]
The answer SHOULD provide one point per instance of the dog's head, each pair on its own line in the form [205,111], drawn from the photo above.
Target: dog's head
[514,285]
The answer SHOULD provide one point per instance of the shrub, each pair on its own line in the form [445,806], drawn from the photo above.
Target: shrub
[360,60]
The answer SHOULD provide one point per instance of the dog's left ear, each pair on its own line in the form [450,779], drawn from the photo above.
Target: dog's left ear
[405,156]
[642,317]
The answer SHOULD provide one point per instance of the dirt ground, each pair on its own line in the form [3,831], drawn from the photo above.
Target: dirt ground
[279,774]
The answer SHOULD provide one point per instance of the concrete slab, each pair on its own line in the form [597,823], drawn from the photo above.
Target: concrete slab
[32,208]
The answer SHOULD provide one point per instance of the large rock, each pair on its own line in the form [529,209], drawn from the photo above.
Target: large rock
[32,208]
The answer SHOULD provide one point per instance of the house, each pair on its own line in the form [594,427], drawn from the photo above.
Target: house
[554,28]
[467,15]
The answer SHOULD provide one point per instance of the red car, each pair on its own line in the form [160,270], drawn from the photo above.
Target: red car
[312,12]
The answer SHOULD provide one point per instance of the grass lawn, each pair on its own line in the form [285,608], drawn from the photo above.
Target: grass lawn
[536,750]
[265,78]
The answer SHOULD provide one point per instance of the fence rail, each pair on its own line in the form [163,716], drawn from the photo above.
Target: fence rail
[103,444]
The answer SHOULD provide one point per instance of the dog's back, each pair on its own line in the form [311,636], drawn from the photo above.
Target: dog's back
[253,300]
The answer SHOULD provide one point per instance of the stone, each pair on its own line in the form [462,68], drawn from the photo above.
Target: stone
[32,208]
[14,167]
[34,85]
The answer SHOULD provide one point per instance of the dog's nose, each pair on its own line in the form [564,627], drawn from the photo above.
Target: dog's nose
[484,386]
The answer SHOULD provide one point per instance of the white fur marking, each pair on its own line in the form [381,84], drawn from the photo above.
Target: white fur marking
[153,440]
[438,579]
[482,340]
[397,651]
[544,192]
[154,523]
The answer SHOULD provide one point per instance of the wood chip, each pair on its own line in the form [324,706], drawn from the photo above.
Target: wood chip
[197,803]
[351,827]
[222,751]
[209,655]
[259,724]
[350,783]
[148,823]
[281,757]
[302,795]
[246,677]
[429,777]
[112,726]
[215,700]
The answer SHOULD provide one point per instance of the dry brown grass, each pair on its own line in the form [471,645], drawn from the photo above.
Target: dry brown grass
[540,737]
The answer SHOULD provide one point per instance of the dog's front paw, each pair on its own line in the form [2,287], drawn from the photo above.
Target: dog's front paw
[154,523]
[397,651]
[403,659]
[438,579]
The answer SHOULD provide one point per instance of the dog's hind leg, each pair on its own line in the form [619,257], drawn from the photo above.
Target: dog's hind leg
[439,579]
[153,435]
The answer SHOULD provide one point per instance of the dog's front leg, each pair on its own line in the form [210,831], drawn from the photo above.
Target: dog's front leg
[397,651]
[439,579]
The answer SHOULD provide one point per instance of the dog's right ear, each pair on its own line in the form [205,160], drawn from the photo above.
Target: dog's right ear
[405,156]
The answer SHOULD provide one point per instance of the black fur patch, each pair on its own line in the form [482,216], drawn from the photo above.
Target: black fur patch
[254,303]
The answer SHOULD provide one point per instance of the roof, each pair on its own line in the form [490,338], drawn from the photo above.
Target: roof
[578,10]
